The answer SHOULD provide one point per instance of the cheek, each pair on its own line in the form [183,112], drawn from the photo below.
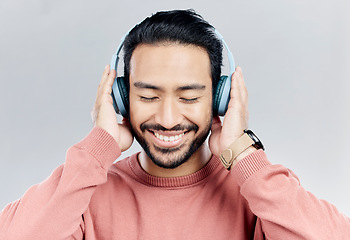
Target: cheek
[137,113]
[200,114]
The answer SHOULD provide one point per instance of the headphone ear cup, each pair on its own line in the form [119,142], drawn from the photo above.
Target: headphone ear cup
[221,96]
[120,97]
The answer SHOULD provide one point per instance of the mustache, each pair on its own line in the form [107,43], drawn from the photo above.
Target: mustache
[178,127]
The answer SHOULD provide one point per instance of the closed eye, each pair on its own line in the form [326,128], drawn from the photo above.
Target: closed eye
[189,100]
[148,99]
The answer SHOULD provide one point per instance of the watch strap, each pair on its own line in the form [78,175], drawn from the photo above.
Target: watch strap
[237,147]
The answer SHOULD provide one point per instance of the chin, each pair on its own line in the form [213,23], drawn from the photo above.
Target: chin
[171,158]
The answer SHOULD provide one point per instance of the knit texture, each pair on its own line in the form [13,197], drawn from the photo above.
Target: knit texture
[89,197]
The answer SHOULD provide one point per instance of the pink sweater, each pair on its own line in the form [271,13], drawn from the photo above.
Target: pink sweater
[89,198]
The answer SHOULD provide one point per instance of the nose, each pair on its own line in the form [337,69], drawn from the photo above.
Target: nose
[168,114]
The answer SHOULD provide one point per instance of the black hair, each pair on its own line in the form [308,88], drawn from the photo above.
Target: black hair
[176,26]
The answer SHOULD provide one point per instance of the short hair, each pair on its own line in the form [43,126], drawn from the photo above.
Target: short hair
[176,26]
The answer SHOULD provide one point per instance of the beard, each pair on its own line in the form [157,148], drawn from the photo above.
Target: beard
[171,158]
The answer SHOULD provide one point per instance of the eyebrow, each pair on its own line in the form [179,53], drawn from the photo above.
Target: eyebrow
[182,88]
[146,85]
[191,87]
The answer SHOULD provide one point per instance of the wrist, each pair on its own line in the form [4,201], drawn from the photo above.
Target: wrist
[240,148]
[243,154]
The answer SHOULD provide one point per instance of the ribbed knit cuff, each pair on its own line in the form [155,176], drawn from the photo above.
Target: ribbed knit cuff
[250,165]
[102,146]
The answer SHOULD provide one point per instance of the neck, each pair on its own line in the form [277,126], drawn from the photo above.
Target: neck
[193,164]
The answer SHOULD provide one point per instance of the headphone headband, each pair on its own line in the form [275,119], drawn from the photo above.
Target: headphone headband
[115,57]
[229,53]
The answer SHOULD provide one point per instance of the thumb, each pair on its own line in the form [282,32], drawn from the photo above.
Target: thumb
[214,138]
[216,124]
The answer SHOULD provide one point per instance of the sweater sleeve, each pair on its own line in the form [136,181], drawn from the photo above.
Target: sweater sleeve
[53,209]
[286,210]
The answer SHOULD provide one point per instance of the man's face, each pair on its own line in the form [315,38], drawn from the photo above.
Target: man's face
[170,101]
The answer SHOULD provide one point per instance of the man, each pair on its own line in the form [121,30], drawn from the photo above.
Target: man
[176,188]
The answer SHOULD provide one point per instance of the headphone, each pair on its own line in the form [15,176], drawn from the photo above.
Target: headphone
[221,97]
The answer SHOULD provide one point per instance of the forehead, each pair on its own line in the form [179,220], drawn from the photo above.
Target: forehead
[170,64]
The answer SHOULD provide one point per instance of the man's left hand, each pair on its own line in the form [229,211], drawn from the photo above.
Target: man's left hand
[236,117]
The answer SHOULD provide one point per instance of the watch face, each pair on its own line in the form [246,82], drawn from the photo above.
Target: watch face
[258,144]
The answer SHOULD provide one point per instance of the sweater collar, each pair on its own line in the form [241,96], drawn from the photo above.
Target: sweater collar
[173,182]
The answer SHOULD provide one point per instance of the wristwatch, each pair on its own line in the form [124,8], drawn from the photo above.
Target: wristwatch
[248,139]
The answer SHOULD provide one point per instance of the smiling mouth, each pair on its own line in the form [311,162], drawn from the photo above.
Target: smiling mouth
[168,137]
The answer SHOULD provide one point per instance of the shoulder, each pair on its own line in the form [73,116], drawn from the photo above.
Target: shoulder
[122,169]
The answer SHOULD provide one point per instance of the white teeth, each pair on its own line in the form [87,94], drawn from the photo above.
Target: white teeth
[168,139]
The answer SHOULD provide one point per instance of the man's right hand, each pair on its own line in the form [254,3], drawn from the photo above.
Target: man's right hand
[104,115]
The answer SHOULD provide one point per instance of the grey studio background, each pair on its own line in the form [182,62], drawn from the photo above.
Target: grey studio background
[295,57]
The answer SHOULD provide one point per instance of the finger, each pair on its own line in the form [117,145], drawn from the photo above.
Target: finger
[111,77]
[242,86]
[103,78]
[104,88]
[238,88]
[235,90]
[216,123]
[107,82]
[104,75]
[105,71]
[241,79]
[244,96]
